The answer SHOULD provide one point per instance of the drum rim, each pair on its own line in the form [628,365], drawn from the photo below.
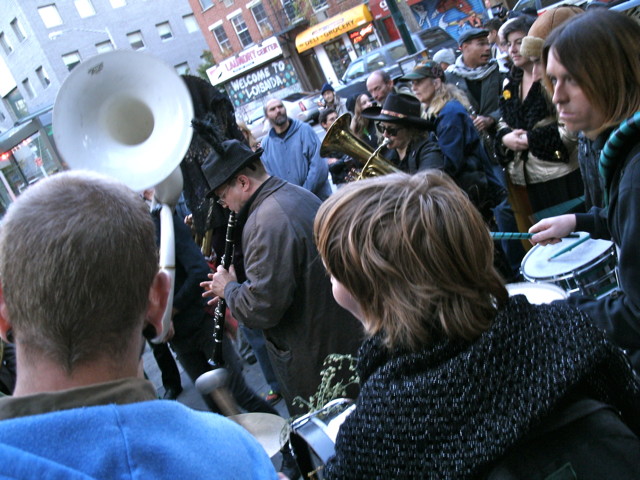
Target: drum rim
[610,251]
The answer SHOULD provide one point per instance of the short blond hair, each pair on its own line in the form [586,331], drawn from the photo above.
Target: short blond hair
[415,254]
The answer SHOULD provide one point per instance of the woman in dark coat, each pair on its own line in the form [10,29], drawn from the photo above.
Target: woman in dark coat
[456,377]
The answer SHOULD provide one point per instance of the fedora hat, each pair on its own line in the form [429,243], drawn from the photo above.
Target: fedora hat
[218,168]
[399,108]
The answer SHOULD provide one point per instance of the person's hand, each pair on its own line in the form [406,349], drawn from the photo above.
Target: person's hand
[516,140]
[482,123]
[553,229]
[188,220]
[215,287]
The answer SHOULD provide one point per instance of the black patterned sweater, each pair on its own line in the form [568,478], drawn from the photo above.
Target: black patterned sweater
[453,409]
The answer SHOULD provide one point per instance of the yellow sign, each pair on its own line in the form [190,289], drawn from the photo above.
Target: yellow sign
[332,27]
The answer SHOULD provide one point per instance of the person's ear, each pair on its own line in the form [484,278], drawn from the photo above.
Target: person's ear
[158,299]
[244,181]
[437,83]
[5,323]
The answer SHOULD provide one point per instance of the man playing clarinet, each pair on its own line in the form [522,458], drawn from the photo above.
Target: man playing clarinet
[287,292]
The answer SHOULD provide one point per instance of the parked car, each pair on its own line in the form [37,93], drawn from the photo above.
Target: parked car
[388,58]
[304,106]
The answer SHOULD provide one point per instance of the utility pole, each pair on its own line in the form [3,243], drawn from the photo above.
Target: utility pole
[401,25]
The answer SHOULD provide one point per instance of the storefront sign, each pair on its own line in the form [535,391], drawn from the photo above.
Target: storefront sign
[379,9]
[244,61]
[261,82]
[333,27]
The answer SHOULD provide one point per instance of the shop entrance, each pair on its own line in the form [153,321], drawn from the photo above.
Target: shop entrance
[338,56]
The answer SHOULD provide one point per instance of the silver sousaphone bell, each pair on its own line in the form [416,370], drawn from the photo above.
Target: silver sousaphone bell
[128,115]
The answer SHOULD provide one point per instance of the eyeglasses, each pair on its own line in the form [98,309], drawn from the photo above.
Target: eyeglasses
[220,200]
[392,131]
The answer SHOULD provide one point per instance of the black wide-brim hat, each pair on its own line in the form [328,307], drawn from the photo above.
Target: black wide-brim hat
[399,108]
[219,168]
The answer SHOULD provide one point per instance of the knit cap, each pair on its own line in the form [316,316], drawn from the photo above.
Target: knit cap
[539,31]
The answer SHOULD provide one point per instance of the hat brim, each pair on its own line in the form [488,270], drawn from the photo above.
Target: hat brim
[375,113]
[225,172]
[414,76]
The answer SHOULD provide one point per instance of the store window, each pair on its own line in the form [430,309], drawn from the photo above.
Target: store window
[364,40]
[241,30]
[18,30]
[43,77]
[50,16]
[164,31]
[135,40]
[85,8]
[71,59]
[222,39]
[338,56]
[23,165]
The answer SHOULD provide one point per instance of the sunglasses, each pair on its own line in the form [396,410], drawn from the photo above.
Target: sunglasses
[392,131]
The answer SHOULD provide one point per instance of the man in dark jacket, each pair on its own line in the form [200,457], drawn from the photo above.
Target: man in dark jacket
[287,292]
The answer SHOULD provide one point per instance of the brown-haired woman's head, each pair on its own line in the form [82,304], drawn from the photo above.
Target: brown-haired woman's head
[598,52]
[415,255]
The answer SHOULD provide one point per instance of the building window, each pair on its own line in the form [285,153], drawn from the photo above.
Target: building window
[17,29]
[6,46]
[228,3]
[50,16]
[241,30]
[206,4]
[71,59]
[26,84]
[17,104]
[182,68]
[104,47]
[260,16]
[135,40]
[319,4]
[85,8]
[221,37]
[118,3]
[164,31]
[43,77]
[289,9]
[190,23]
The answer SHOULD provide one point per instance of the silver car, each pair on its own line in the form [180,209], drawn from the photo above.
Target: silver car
[304,106]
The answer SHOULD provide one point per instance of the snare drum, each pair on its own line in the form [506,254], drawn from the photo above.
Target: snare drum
[313,436]
[589,269]
[537,293]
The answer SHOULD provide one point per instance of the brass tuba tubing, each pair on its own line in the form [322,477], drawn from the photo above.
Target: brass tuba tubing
[340,138]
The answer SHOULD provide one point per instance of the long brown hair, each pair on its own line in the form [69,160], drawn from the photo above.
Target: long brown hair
[599,49]
[415,254]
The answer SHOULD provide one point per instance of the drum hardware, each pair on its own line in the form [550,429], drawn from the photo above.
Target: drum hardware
[537,293]
[340,138]
[589,269]
[313,436]
[127,115]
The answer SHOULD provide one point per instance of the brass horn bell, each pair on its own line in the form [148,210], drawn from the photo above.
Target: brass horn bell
[340,138]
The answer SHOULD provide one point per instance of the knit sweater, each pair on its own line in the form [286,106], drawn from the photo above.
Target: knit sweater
[451,410]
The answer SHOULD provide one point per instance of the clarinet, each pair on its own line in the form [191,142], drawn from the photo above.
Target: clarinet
[216,360]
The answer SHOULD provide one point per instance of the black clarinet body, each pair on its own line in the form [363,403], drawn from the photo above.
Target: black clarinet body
[216,360]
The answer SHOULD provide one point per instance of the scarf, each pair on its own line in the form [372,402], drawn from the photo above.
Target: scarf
[453,409]
[619,144]
[478,73]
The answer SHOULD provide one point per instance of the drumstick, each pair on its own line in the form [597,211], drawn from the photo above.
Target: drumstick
[520,236]
[569,247]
